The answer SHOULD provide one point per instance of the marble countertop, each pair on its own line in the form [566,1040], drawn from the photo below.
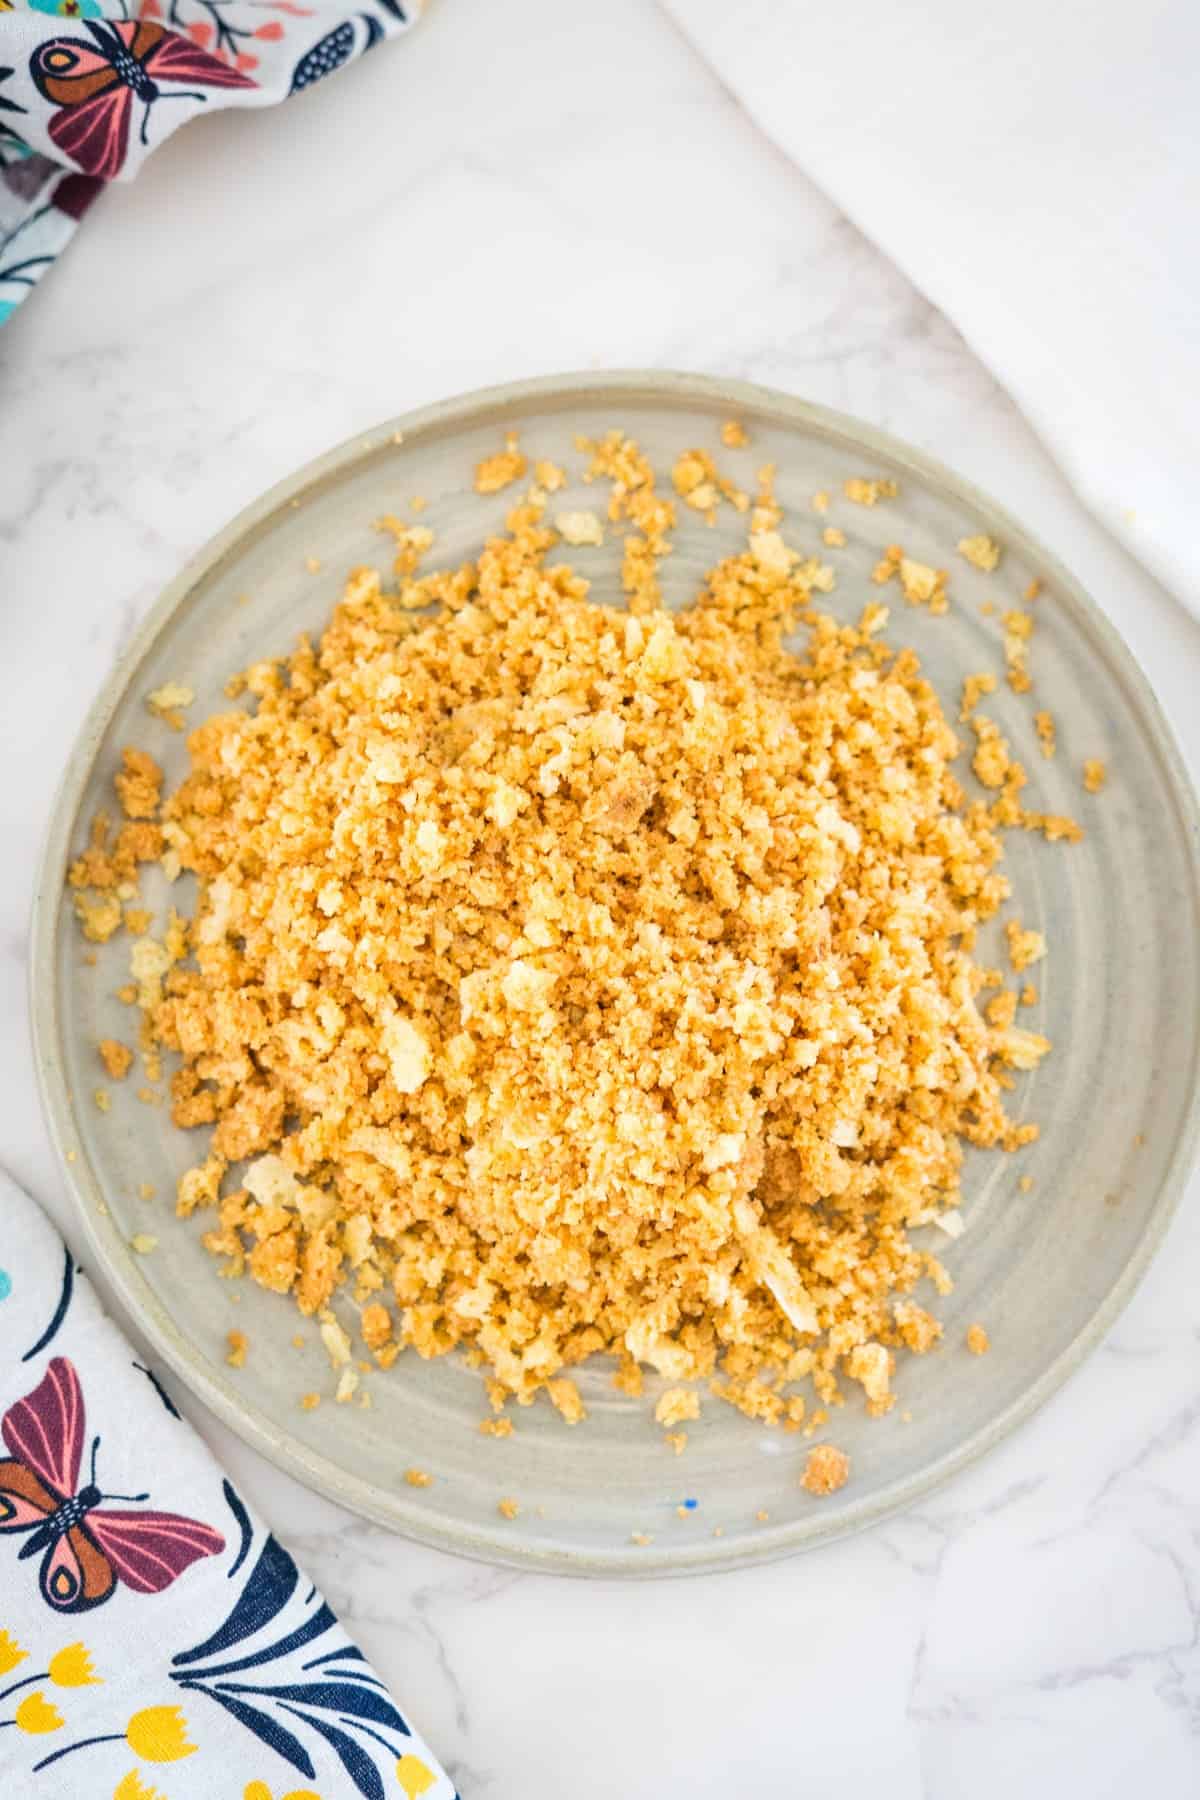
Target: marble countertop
[513,190]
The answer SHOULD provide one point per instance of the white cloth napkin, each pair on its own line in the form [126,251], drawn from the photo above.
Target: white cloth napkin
[1035,170]
[156,1641]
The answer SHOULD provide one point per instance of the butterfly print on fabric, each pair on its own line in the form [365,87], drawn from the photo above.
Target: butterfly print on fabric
[86,1546]
[96,83]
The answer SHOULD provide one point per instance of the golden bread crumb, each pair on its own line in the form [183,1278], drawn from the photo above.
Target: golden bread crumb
[676,1405]
[169,702]
[974,688]
[1043,724]
[310,1402]
[566,1397]
[834,536]
[820,502]
[497,1428]
[143,1243]
[238,1344]
[1033,590]
[868,493]
[501,470]
[418,1478]
[1018,629]
[978,1342]
[579,527]
[549,476]
[508,1508]
[734,435]
[102,1100]
[1026,1184]
[981,550]
[1024,947]
[676,1441]
[1095,774]
[826,1470]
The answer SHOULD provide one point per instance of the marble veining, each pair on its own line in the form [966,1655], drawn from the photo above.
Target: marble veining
[513,190]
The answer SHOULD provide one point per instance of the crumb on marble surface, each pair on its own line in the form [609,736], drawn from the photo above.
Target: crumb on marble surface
[237,1345]
[1095,774]
[508,1508]
[418,1478]
[978,1342]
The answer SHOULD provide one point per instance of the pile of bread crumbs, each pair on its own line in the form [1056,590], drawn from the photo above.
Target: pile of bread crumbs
[571,978]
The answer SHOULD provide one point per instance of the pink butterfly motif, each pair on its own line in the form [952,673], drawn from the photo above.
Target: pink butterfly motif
[88,1546]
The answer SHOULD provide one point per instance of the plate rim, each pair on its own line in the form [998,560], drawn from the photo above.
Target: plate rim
[120,1264]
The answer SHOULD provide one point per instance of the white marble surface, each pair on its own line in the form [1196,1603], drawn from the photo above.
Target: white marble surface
[516,189]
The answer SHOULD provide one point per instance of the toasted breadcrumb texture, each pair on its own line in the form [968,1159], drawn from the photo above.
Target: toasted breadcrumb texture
[676,1405]
[567,979]
[1095,774]
[501,470]
[868,493]
[116,1057]
[826,1470]
[169,703]
[497,1428]
[580,527]
[1043,724]
[978,1342]
[1018,630]
[982,550]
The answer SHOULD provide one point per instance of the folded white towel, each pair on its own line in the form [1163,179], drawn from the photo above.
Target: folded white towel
[1035,171]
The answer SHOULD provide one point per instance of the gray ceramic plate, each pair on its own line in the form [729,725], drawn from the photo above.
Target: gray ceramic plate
[1047,1270]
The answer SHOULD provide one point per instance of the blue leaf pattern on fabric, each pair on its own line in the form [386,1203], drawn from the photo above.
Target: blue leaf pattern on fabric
[358,1765]
[271,1585]
[60,1311]
[333,1696]
[233,1501]
[271,1732]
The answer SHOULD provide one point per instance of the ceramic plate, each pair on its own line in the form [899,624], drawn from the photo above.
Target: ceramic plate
[1046,1270]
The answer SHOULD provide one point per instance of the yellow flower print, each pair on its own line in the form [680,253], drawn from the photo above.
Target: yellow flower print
[11,1652]
[414,1776]
[258,1790]
[159,1734]
[132,1787]
[72,1667]
[35,1713]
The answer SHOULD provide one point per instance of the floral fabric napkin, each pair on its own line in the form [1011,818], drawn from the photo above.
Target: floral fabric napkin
[156,1641]
[88,88]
